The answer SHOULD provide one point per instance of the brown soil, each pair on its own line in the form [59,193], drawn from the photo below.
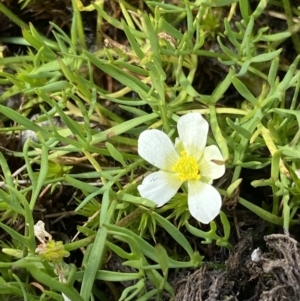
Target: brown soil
[273,275]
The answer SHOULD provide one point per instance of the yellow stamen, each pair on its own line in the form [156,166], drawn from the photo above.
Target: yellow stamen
[187,167]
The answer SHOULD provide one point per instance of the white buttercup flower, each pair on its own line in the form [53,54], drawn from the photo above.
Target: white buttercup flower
[189,161]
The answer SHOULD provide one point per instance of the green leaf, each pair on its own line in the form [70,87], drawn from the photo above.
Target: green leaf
[120,75]
[239,129]
[136,200]
[187,86]
[169,29]
[122,128]
[81,185]
[228,32]
[162,258]
[152,36]
[243,90]
[16,236]
[134,45]
[111,276]
[96,255]
[147,249]
[288,78]
[175,233]
[11,201]
[20,119]
[219,91]
[53,283]
[266,56]
[221,141]
[265,215]
[42,175]
[273,71]
[232,187]
[276,37]
[226,226]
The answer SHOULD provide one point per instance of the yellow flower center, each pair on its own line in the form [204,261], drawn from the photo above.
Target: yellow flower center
[187,167]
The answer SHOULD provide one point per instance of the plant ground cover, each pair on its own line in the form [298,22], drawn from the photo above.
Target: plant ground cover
[82,83]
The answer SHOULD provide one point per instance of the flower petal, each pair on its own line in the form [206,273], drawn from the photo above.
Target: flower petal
[192,130]
[207,167]
[157,148]
[159,187]
[204,201]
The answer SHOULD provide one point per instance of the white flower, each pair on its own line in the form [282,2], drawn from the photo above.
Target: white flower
[189,161]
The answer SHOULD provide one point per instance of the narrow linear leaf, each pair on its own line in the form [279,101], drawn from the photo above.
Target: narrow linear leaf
[175,233]
[266,56]
[243,90]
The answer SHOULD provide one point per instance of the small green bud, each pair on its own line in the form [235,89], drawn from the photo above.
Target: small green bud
[52,251]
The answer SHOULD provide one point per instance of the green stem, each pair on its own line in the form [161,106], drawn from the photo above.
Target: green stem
[80,243]
[290,23]
[286,213]
[236,173]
